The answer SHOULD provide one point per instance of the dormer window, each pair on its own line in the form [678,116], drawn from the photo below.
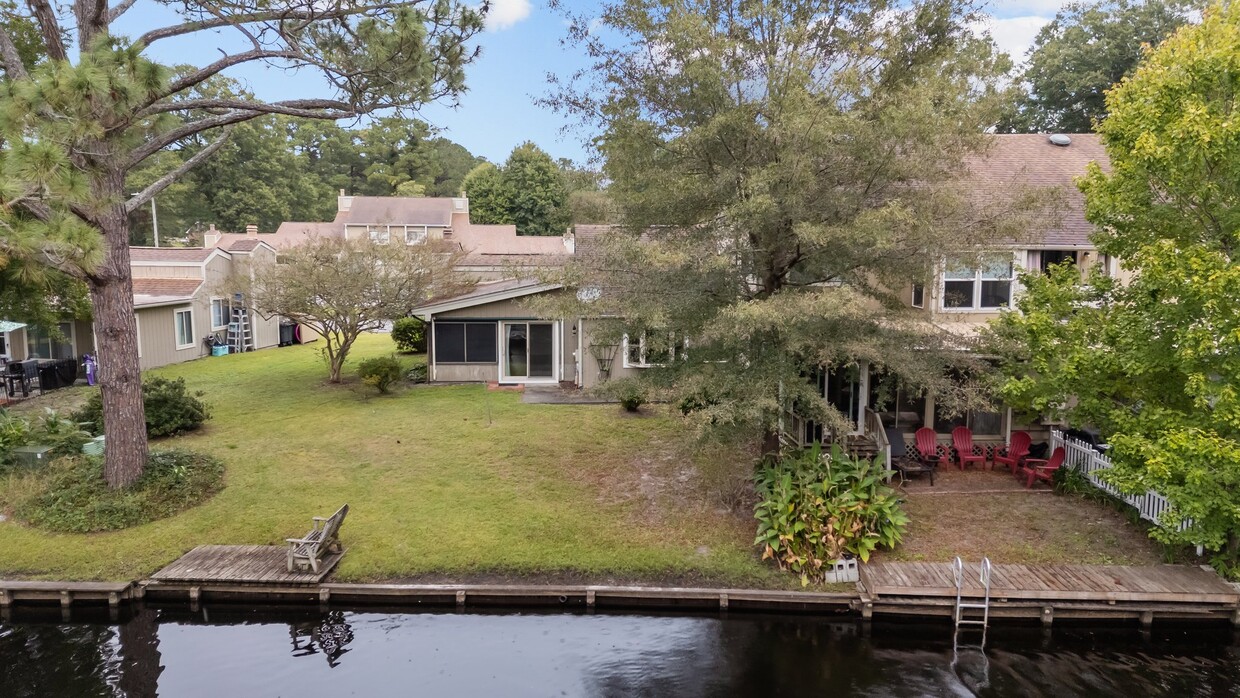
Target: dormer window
[984,287]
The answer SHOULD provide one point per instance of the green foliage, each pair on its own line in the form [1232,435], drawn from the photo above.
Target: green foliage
[381,372]
[1154,363]
[170,408]
[14,432]
[73,497]
[409,333]
[64,435]
[1079,55]
[763,199]
[629,392]
[417,373]
[528,191]
[814,509]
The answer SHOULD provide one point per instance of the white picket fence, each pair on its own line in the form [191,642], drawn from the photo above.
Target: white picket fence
[1082,457]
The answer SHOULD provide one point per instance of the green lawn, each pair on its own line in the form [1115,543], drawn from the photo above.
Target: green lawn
[454,482]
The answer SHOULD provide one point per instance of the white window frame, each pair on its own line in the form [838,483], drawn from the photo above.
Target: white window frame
[225,313]
[422,230]
[380,234]
[975,305]
[643,359]
[176,328]
[137,334]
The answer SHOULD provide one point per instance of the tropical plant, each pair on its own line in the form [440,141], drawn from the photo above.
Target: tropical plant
[816,508]
[14,432]
[381,372]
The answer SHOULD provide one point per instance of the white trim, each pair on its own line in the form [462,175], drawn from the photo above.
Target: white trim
[176,329]
[425,312]
[137,333]
[975,302]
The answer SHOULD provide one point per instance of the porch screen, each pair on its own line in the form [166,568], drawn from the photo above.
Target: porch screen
[465,343]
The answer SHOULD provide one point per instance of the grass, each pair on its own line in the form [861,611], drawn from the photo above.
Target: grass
[443,481]
[465,484]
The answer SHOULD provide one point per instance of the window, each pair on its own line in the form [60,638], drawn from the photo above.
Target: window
[919,296]
[379,234]
[415,234]
[1052,257]
[184,323]
[40,344]
[644,352]
[984,287]
[4,344]
[465,343]
[221,313]
[980,422]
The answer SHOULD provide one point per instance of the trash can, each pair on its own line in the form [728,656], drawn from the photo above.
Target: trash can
[288,334]
[49,377]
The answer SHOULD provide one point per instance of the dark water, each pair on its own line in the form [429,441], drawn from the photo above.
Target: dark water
[231,653]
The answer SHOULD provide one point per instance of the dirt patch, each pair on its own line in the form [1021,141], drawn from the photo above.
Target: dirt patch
[989,513]
[63,401]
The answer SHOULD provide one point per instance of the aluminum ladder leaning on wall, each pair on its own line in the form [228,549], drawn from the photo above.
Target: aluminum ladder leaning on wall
[240,331]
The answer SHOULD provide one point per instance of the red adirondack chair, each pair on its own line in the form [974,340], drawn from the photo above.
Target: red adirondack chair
[928,448]
[1017,451]
[1041,469]
[962,439]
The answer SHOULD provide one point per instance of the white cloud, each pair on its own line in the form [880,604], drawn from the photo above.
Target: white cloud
[1015,34]
[506,13]
[1046,8]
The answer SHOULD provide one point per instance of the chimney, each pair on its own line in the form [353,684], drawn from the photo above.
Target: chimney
[570,241]
[251,231]
[343,203]
[211,237]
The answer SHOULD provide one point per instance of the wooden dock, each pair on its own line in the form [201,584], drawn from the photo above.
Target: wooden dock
[1050,591]
[241,564]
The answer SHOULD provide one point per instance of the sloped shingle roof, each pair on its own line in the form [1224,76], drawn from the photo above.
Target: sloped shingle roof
[159,291]
[169,254]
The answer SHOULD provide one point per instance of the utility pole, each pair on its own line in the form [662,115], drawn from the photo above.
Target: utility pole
[154,220]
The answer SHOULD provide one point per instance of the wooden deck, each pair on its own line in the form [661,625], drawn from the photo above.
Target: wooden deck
[1092,583]
[241,564]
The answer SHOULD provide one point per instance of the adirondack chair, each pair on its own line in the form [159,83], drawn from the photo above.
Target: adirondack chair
[927,448]
[1017,451]
[962,439]
[322,539]
[1044,470]
[901,460]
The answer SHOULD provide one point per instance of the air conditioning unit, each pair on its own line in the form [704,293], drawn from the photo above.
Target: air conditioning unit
[32,456]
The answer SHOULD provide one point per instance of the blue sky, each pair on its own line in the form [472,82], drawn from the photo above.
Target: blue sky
[521,46]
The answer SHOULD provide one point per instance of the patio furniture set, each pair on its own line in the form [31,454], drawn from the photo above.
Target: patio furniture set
[926,455]
[22,378]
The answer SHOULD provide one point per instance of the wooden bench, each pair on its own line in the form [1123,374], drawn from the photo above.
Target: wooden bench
[322,539]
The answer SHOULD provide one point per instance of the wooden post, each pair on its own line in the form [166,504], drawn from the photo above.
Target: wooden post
[723,602]
[5,599]
[867,610]
[1147,619]
[66,598]
[1048,616]
[589,598]
[460,598]
[325,596]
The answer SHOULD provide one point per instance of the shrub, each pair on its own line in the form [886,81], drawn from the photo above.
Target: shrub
[170,408]
[629,392]
[417,374]
[74,498]
[409,333]
[14,432]
[381,372]
[814,509]
[61,433]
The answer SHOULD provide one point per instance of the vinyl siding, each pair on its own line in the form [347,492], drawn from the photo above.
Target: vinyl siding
[505,310]
[157,335]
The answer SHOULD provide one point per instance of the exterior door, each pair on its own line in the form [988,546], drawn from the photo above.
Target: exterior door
[529,351]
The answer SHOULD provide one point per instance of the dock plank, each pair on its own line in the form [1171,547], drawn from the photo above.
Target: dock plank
[240,564]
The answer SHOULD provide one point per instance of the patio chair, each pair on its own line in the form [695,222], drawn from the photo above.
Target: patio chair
[962,439]
[902,462]
[927,448]
[1016,452]
[1038,469]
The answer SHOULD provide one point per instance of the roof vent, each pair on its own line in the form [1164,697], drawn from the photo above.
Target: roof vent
[1060,140]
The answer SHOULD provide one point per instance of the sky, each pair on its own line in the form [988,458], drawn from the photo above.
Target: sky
[522,44]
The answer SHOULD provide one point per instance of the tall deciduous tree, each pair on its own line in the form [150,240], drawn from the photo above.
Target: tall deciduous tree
[1080,54]
[488,198]
[97,108]
[1155,363]
[342,288]
[784,169]
[527,191]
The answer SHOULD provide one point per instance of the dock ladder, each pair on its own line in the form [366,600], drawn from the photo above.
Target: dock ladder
[962,605]
[240,331]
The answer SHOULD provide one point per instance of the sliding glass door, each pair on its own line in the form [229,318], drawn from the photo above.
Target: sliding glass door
[529,351]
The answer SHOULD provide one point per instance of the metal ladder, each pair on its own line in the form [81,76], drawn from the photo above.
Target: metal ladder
[962,605]
[969,661]
[240,332]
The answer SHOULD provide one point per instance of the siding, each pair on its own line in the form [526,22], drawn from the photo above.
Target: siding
[513,310]
[169,271]
[157,336]
[590,376]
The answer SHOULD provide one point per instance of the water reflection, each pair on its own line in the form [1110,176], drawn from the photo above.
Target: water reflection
[239,652]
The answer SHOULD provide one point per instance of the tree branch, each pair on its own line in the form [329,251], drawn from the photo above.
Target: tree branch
[162,183]
[268,16]
[206,72]
[120,9]
[50,29]
[291,107]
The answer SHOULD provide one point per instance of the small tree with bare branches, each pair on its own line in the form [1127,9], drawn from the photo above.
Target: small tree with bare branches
[93,107]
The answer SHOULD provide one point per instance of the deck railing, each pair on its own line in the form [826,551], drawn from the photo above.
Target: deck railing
[874,430]
[1088,461]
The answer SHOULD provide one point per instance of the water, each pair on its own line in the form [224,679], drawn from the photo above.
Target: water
[235,653]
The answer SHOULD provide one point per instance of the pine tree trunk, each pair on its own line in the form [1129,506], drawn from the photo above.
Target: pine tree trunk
[116,334]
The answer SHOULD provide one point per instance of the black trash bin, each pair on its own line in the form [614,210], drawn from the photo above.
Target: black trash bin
[49,377]
[288,334]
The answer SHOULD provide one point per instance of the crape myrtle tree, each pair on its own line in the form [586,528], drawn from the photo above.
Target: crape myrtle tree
[1153,361]
[1080,54]
[784,170]
[342,288]
[96,107]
